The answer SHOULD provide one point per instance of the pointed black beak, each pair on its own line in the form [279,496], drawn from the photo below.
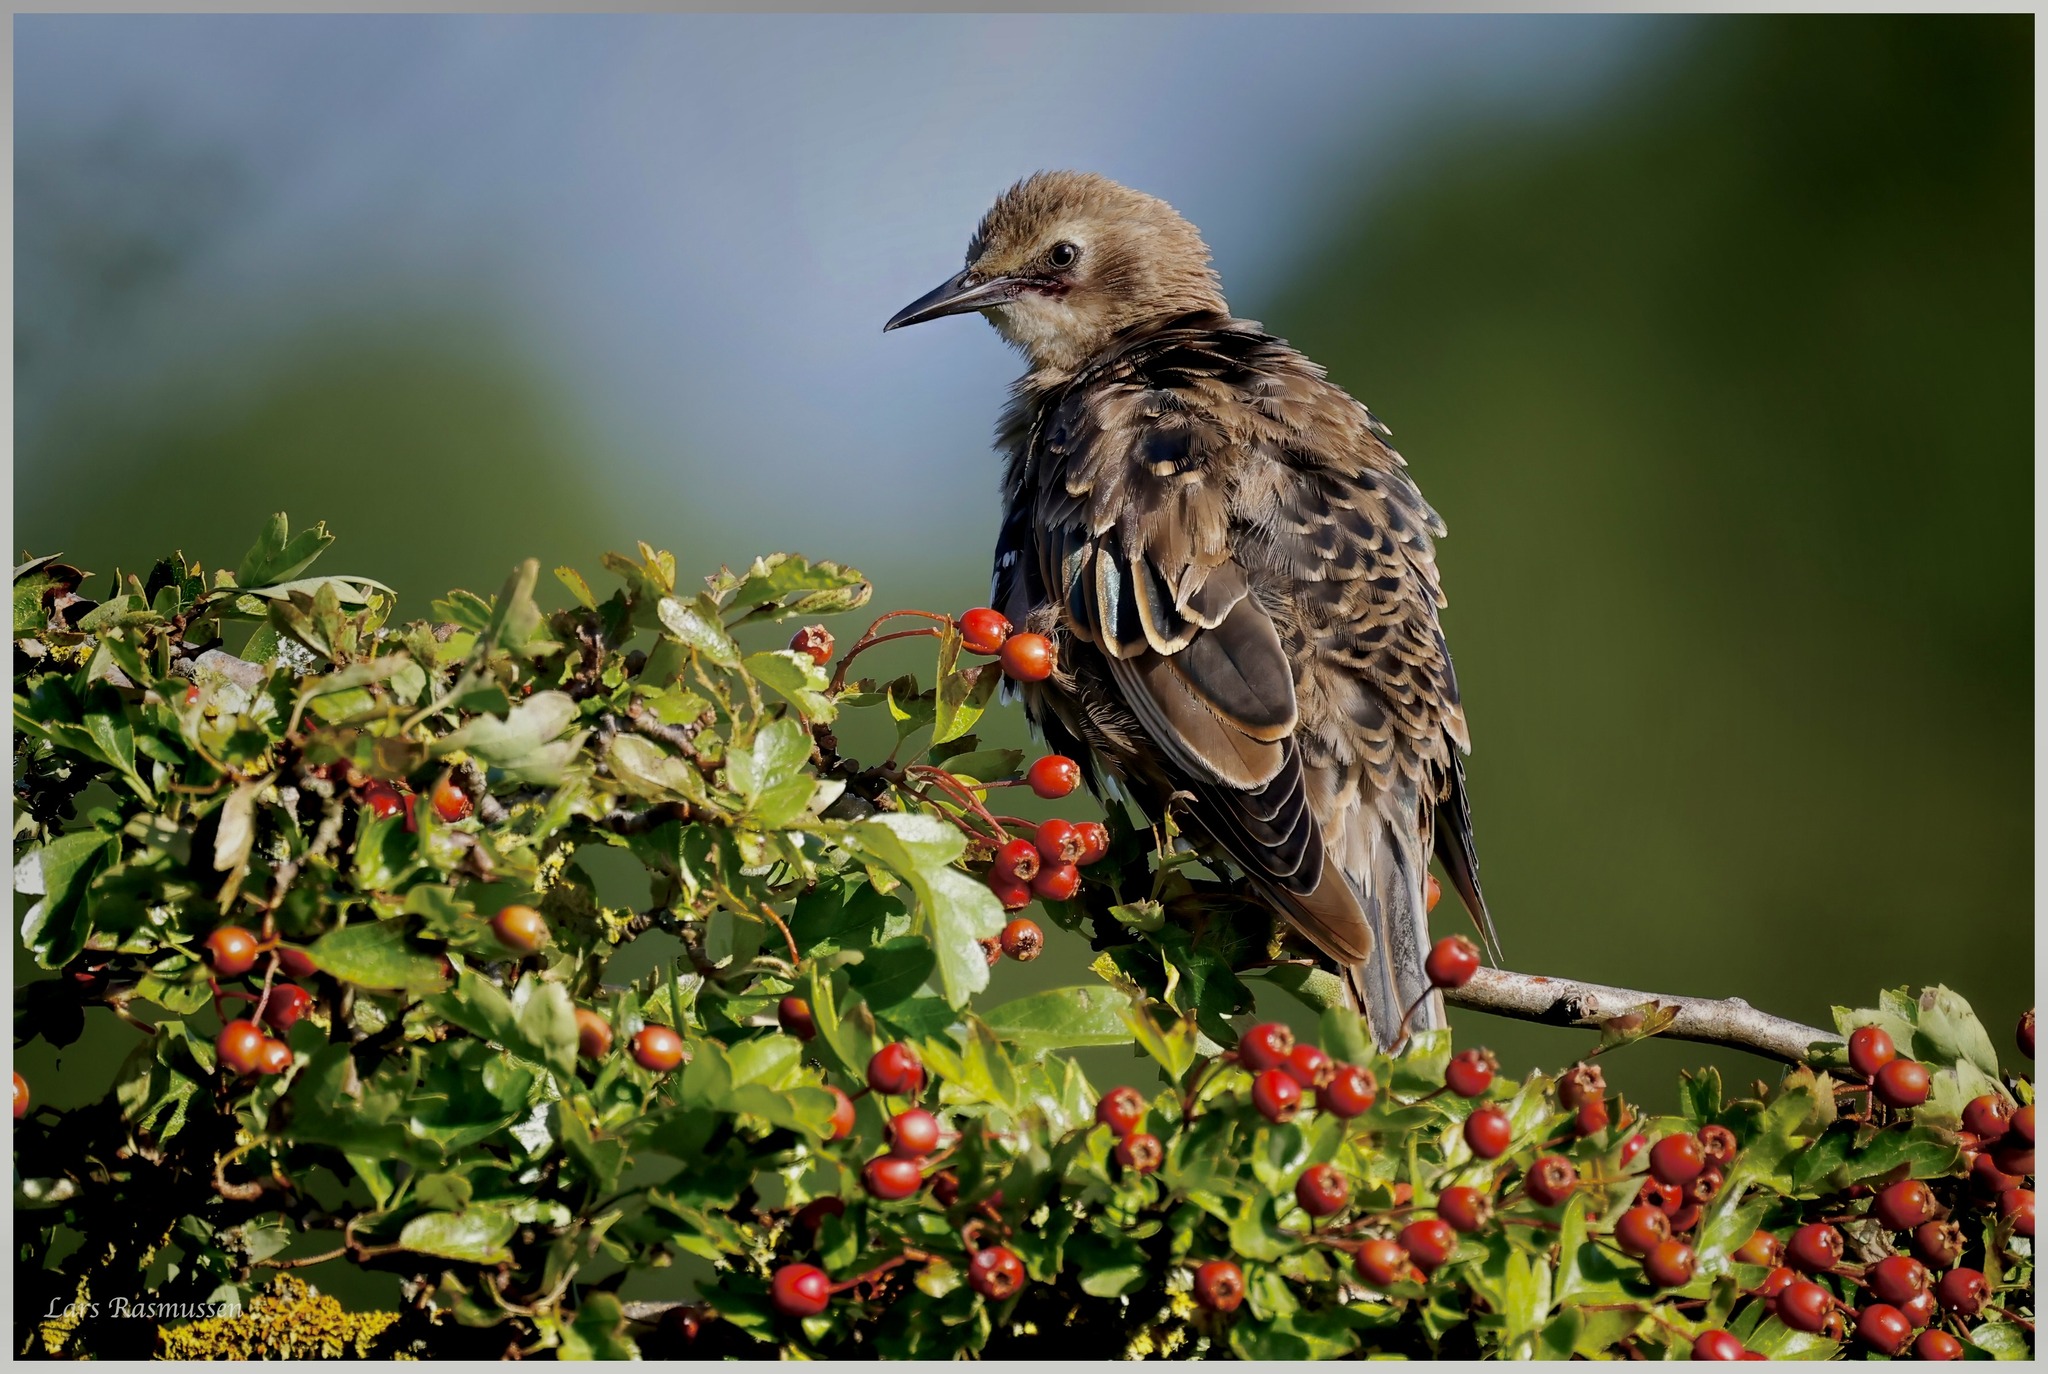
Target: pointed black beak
[957,297]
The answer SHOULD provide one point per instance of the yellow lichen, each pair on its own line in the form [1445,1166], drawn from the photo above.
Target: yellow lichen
[56,1331]
[293,1320]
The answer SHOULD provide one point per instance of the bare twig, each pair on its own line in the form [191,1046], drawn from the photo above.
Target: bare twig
[1568,1002]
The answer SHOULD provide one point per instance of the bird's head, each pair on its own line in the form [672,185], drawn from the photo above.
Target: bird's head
[1065,261]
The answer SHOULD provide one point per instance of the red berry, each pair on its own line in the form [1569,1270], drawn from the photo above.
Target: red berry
[1058,842]
[1903,1205]
[1094,843]
[1988,1117]
[1470,1072]
[842,1114]
[1816,1248]
[896,1071]
[1718,1144]
[658,1048]
[1429,1241]
[1805,1306]
[1452,962]
[1937,1345]
[273,1056]
[1321,1191]
[1938,1243]
[2023,1123]
[412,824]
[296,962]
[814,642]
[1219,1286]
[1265,1046]
[240,1046]
[20,1096]
[1140,1152]
[1466,1209]
[1677,1159]
[1716,1344]
[1702,1189]
[913,1133]
[1014,895]
[383,800]
[945,1187]
[2017,1207]
[593,1034]
[1432,893]
[1898,1279]
[1883,1328]
[1276,1096]
[1775,1283]
[451,803]
[1121,1109]
[1670,1265]
[1591,1118]
[520,929]
[1632,1147]
[1309,1066]
[1489,1132]
[1023,940]
[982,631]
[1027,657]
[1053,776]
[1642,1229]
[1989,1179]
[1351,1092]
[1056,883]
[1663,1196]
[1901,1083]
[1685,1218]
[1761,1248]
[231,951]
[288,1002]
[996,1273]
[2014,1158]
[1017,860]
[1580,1084]
[1920,1309]
[793,1014]
[892,1177]
[192,695]
[1962,1291]
[800,1290]
[1870,1049]
[2025,1033]
[1550,1180]
[1383,1262]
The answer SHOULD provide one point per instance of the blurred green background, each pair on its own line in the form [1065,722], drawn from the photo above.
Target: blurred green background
[1714,351]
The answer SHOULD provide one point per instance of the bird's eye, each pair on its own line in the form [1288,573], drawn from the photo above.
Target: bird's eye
[1063,255]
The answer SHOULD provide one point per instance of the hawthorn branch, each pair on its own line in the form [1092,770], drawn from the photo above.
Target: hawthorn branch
[1708,1021]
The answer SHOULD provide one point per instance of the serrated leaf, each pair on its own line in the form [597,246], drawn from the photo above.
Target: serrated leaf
[376,954]
[1061,1018]
[697,627]
[797,679]
[476,1234]
[278,555]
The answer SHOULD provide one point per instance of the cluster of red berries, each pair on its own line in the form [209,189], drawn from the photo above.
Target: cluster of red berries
[243,1047]
[384,801]
[1024,657]
[1905,1295]
[1283,1068]
[894,1070]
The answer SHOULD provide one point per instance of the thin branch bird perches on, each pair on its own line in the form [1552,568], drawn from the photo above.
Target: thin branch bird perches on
[1729,1021]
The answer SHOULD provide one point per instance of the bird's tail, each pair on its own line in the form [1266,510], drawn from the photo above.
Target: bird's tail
[1386,864]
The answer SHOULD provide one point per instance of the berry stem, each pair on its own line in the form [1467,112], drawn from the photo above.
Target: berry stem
[871,639]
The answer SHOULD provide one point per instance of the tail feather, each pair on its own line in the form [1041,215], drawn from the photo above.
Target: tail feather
[1459,855]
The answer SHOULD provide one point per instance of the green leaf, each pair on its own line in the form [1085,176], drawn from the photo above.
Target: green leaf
[1172,1045]
[527,744]
[476,1234]
[376,954]
[819,588]
[1948,1032]
[277,556]
[696,625]
[797,679]
[962,695]
[598,1331]
[578,588]
[61,872]
[955,911]
[770,774]
[1061,1018]
[892,972]
[2002,1341]
[1315,988]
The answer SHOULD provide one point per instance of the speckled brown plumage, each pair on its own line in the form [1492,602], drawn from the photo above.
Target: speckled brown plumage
[1240,578]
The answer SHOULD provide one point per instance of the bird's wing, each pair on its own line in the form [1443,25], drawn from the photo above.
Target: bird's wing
[1231,534]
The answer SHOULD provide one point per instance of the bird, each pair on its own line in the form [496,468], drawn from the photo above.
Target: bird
[1238,576]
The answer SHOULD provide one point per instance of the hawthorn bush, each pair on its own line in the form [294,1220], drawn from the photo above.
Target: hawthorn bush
[338,881]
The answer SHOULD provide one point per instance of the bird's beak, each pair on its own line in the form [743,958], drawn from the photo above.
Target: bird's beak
[956,297]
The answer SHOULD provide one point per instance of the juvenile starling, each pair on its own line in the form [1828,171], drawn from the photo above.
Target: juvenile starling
[1237,573]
